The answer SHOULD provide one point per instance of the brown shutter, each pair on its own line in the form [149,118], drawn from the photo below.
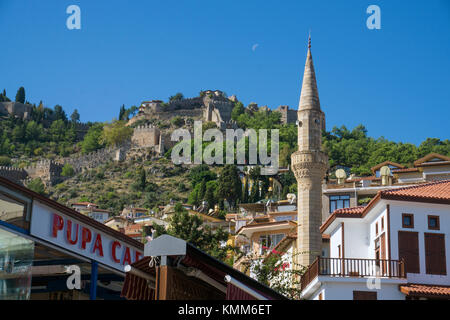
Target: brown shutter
[435,260]
[364,295]
[408,250]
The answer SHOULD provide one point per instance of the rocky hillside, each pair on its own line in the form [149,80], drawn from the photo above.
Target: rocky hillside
[117,184]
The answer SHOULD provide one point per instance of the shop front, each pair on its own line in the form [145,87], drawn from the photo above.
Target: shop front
[49,251]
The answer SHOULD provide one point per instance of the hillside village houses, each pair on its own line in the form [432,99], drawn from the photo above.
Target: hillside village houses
[92,211]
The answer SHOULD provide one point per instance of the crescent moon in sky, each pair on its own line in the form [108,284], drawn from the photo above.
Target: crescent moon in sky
[255,46]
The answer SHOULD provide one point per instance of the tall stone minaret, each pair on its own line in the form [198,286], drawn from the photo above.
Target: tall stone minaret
[309,164]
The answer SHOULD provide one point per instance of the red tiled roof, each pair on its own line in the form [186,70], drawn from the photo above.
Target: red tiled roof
[83,204]
[364,178]
[385,163]
[420,290]
[100,210]
[438,191]
[429,157]
[352,210]
[434,192]
[405,170]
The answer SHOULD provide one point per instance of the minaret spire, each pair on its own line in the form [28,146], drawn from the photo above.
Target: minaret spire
[309,98]
[309,165]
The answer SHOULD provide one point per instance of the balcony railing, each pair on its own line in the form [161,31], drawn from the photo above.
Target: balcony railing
[347,267]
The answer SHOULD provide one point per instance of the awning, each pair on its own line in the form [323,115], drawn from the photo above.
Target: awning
[426,291]
[194,266]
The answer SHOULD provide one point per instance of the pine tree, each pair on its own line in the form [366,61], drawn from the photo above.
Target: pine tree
[75,117]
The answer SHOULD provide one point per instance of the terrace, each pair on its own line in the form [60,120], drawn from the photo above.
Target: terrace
[348,267]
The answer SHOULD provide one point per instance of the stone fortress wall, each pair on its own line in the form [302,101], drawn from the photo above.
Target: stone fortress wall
[16,109]
[210,106]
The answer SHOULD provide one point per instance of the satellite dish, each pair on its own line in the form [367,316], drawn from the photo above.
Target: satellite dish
[292,197]
[340,174]
[385,171]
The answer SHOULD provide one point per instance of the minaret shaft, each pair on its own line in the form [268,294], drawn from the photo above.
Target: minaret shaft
[309,164]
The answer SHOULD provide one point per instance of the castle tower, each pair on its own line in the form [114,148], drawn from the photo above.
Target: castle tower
[309,165]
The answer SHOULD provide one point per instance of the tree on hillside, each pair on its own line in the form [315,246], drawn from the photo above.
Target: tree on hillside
[191,229]
[210,194]
[67,170]
[37,186]
[199,173]
[122,112]
[229,185]
[75,116]
[237,110]
[434,145]
[91,141]
[59,113]
[177,96]
[116,133]
[3,97]
[58,130]
[20,95]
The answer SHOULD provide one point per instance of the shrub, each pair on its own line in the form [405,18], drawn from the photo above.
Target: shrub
[5,161]
[67,171]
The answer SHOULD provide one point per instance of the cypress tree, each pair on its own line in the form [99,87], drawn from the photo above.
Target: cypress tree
[20,96]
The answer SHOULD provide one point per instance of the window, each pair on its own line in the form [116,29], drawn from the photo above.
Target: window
[376,228]
[407,220]
[13,211]
[435,254]
[270,241]
[433,223]
[382,224]
[339,202]
[284,218]
[339,251]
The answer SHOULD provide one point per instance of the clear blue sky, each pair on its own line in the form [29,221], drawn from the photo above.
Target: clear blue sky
[395,81]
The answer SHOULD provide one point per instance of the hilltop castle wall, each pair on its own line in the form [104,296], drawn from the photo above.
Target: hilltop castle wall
[15,109]
[14,174]
[145,136]
[287,115]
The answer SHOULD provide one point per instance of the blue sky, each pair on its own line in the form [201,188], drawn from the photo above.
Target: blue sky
[395,81]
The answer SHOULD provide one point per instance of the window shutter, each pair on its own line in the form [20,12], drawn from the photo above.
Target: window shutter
[435,260]
[408,249]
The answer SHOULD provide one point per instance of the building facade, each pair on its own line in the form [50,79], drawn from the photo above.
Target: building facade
[396,247]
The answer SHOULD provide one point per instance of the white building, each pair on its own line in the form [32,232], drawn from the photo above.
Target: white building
[92,210]
[396,247]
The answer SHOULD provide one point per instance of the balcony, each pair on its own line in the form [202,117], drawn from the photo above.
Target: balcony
[344,267]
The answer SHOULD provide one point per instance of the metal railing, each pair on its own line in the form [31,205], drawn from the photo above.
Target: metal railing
[348,267]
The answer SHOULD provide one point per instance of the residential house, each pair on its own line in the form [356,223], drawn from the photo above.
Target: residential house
[396,247]
[92,211]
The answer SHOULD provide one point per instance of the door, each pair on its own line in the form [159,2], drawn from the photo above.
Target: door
[364,295]
[383,254]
